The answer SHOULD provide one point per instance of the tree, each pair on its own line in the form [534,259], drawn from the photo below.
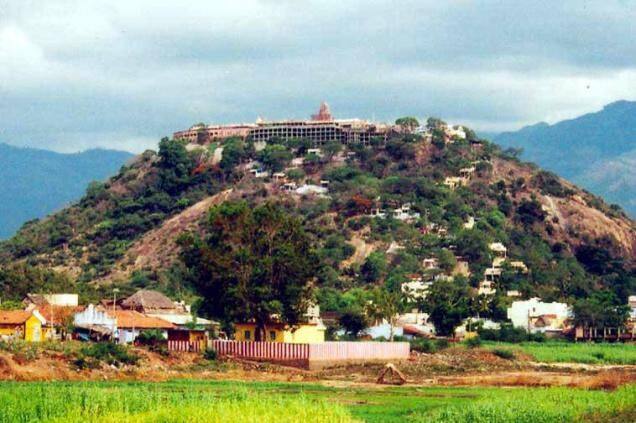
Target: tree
[374,267]
[353,322]
[530,212]
[254,264]
[331,149]
[385,305]
[600,310]
[408,122]
[175,166]
[447,304]
[275,157]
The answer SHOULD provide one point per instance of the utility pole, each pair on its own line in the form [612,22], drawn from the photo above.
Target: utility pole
[115,291]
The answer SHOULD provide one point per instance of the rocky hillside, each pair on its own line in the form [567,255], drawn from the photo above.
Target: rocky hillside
[375,214]
[596,150]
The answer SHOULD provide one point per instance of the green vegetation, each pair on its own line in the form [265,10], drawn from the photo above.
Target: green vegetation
[567,352]
[203,401]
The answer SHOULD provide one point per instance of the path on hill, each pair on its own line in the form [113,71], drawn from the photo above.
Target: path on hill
[158,248]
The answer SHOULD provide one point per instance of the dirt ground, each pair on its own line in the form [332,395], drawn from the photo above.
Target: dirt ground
[453,367]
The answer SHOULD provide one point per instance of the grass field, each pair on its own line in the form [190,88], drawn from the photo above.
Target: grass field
[206,401]
[568,352]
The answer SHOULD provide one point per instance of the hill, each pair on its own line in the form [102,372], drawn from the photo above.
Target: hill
[390,208]
[34,183]
[596,150]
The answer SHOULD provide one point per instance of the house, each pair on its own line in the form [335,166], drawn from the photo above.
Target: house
[461,267]
[377,212]
[498,249]
[148,301]
[93,323]
[454,181]
[300,333]
[416,288]
[315,151]
[430,263]
[289,186]
[535,316]
[519,266]
[415,324]
[513,293]
[279,176]
[486,287]
[259,173]
[21,324]
[124,326]
[467,172]
[383,330]
[131,323]
[308,189]
[404,213]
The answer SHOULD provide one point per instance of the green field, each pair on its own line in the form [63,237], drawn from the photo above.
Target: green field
[569,352]
[208,401]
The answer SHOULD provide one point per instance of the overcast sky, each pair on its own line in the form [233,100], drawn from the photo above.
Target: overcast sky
[121,74]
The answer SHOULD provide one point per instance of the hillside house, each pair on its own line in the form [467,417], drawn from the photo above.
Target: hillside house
[498,249]
[21,324]
[404,213]
[486,287]
[279,177]
[462,267]
[416,288]
[309,189]
[430,263]
[289,187]
[453,182]
[467,172]
[535,316]
[259,173]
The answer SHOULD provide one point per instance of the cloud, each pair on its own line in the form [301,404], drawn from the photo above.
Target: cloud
[77,74]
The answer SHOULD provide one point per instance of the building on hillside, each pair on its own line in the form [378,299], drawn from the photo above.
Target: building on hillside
[416,288]
[320,129]
[462,267]
[535,316]
[498,249]
[22,324]
[486,287]
[404,213]
[310,189]
[324,114]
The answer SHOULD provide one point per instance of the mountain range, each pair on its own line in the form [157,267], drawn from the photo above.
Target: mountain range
[596,151]
[34,183]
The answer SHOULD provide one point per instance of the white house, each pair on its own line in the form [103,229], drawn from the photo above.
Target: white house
[534,315]
[416,288]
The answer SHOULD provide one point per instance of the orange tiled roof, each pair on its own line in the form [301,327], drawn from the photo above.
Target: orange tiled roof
[134,319]
[14,317]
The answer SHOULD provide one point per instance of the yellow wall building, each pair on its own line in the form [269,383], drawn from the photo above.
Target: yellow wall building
[20,324]
[302,333]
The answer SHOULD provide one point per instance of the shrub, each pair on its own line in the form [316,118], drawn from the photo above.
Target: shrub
[473,342]
[442,344]
[503,353]
[105,352]
[423,345]
[210,354]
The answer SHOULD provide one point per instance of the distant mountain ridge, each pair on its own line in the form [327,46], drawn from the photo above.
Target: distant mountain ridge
[34,182]
[596,150]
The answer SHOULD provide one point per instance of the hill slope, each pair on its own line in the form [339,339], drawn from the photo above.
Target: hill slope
[124,232]
[33,183]
[596,150]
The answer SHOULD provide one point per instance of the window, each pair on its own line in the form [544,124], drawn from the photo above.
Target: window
[272,335]
[248,335]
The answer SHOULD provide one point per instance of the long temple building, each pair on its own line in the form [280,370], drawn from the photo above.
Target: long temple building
[321,128]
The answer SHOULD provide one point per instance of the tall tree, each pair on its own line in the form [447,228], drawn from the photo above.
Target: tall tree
[408,122]
[256,263]
[447,304]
